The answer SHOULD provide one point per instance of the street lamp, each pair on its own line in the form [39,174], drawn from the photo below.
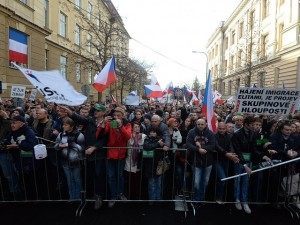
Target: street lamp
[204,53]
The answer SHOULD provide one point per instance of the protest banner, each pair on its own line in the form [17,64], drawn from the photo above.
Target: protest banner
[266,101]
[32,95]
[17,92]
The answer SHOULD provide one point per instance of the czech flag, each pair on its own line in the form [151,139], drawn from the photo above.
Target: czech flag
[18,47]
[208,106]
[106,77]
[153,91]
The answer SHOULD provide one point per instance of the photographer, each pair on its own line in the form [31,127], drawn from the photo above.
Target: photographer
[119,132]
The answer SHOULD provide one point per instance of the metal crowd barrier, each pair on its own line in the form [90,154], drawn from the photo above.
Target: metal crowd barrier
[134,179]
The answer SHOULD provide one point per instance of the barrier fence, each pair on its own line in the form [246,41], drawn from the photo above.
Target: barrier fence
[145,176]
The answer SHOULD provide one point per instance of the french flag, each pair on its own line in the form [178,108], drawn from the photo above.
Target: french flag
[208,106]
[18,47]
[153,91]
[106,77]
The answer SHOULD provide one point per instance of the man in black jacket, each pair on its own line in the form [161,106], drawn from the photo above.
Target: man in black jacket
[201,143]
[225,154]
[243,143]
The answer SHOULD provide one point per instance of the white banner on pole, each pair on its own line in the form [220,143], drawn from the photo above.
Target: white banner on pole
[266,101]
[17,92]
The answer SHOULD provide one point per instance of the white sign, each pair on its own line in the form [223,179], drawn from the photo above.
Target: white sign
[32,95]
[17,92]
[266,101]
[132,100]
[53,86]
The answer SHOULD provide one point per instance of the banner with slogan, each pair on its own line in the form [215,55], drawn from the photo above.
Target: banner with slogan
[266,101]
[53,86]
[17,92]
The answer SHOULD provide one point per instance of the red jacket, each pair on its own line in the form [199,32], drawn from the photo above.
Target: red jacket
[117,138]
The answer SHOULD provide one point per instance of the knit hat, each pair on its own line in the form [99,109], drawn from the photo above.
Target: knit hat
[120,109]
[99,107]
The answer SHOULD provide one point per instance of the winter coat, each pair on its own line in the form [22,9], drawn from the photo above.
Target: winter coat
[207,140]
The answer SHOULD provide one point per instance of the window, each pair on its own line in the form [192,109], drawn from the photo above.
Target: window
[241,29]
[281,2]
[280,34]
[226,43]
[77,34]
[232,37]
[78,4]
[231,61]
[216,70]
[264,42]
[89,44]
[78,72]
[46,59]
[225,66]
[89,78]
[265,9]
[251,19]
[46,12]
[261,79]
[239,58]
[63,66]
[238,83]
[229,87]
[89,10]
[62,24]
[216,51]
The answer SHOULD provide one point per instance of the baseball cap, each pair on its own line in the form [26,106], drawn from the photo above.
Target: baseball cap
[100,107]
[18,118]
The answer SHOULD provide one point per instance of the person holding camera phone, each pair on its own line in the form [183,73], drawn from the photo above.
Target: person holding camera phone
[118,130]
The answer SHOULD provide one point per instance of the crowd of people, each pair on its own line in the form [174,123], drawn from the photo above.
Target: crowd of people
[153,151]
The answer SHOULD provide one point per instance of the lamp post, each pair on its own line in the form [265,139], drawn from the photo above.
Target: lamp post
[206,69]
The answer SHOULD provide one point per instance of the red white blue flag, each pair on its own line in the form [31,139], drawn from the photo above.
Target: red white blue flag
[106,77]
[208,106]
[18,47]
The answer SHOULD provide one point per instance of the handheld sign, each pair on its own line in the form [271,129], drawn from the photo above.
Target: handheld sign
[266,101]
[17,92]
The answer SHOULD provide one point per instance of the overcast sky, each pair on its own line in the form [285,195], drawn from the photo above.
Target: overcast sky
[173,28]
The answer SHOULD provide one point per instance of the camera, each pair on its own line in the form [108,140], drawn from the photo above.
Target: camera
[114,124]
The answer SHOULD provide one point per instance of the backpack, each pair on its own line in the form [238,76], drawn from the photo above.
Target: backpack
[71,153]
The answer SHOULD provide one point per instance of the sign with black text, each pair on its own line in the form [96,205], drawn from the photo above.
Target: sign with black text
[17,92]
[266,101]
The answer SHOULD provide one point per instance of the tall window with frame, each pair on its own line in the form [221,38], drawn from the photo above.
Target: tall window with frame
[89,77]
[264,8]
[251,19]
[77,35]
[63,24]
[46,13]
[78,4]
[89,42]
[89,10]
[232,37]
[280,35]
[78,72]
[264,44]
[241,29]
[63,66]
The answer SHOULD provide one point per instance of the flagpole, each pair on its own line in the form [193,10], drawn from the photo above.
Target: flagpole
[261,169]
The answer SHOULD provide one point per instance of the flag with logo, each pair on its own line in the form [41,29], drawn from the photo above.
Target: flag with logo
[53,86]
[18,47]
[106,77]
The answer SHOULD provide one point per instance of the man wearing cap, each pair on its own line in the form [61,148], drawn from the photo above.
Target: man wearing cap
[118,130]
[20,138]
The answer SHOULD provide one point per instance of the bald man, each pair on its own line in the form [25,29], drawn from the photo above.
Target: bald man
[201,142]
[42,125]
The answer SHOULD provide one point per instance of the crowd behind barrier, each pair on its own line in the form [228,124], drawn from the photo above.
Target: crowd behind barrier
[160,152]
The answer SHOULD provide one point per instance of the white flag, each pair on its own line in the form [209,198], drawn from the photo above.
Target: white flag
[53,86]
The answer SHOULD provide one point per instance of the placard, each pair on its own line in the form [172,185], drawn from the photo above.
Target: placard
[266,101]
[17,92]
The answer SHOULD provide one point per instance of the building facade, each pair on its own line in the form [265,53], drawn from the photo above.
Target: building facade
[75,36]
[258,45]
